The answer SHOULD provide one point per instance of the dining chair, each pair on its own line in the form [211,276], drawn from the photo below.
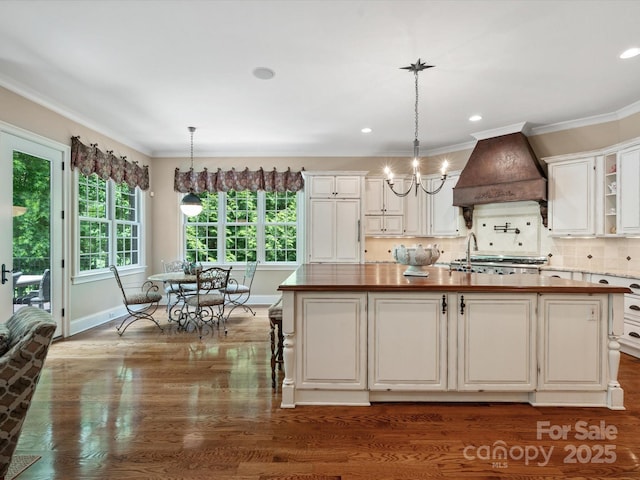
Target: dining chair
[239,291]
[206,305]
[180,291]
[140,305]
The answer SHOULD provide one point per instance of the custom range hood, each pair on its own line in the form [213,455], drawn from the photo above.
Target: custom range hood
[501,168]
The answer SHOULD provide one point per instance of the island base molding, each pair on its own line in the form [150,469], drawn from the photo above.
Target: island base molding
[612,400]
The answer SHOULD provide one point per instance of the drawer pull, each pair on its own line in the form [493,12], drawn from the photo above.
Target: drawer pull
[634,285]
[603,281]
[634,307]
[634,334]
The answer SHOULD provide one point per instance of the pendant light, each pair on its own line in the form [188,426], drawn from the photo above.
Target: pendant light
[416,178]
[191,204]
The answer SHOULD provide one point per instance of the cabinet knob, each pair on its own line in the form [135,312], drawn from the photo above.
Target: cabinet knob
[634,285]
[634,307]
[634,334]
[603,281]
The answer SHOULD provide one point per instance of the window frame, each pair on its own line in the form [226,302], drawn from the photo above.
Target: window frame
[82,276]
[221,225]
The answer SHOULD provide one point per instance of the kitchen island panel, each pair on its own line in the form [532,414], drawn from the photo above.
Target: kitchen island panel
[330,359]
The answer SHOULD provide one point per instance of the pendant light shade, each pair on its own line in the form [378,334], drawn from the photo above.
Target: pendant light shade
[191,204]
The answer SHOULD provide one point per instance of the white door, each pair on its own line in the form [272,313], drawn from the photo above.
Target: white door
[32,201]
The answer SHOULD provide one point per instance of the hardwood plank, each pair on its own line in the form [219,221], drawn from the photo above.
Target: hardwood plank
[153,405]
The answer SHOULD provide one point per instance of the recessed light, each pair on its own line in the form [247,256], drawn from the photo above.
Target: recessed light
[630,53]
[475,118]
[263,73]
[366,130]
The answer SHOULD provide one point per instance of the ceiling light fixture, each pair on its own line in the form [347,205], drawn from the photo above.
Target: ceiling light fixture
[416,179]
[366,130]
[191,204]
[475,118]
[630,53]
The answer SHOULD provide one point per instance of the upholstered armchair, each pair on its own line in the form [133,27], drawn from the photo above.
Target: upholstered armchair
[24,343]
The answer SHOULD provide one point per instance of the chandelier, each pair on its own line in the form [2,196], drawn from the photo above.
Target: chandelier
[191,204]
[416,179]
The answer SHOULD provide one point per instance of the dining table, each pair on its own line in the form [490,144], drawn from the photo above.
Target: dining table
[184,284]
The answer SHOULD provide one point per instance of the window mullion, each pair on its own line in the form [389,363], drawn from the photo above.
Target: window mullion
[222,227]
[262,218]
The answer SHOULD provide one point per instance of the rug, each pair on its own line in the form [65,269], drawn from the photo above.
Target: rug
[19,463]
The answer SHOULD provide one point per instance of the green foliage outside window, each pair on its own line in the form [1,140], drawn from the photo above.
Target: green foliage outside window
[31,230]
[243,226]
[107,209]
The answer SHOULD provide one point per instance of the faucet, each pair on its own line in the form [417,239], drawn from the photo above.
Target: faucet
[475,248]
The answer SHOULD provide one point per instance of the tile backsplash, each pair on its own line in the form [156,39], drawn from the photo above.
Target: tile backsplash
[608,254]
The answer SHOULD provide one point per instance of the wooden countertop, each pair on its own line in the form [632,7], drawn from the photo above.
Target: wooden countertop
[389,277]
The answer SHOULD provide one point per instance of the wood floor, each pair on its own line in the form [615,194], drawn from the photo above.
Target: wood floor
[170,406]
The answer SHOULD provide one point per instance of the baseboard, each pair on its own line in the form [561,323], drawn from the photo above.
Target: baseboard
[100,318]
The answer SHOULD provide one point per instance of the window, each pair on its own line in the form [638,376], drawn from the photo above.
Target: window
[109,224]
[237,227]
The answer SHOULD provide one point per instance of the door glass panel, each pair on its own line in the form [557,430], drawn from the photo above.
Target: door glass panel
[31,231]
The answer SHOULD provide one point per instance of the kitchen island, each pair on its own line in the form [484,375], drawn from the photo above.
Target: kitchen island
[361,333]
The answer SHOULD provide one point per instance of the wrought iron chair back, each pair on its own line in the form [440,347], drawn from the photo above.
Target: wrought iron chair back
[206,306]
[238,292]
[140,304]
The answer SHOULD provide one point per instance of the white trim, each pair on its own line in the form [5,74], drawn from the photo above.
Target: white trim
[39,100]
[497,132]
[61,227]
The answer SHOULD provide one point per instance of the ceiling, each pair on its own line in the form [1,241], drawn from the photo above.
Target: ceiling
[141,72]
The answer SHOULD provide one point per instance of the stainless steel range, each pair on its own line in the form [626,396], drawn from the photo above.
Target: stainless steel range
[498,264]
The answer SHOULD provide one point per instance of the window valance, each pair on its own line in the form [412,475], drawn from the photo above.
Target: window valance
[89,160]
[223,181]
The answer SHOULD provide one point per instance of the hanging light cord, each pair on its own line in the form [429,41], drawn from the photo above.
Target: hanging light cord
[192,129]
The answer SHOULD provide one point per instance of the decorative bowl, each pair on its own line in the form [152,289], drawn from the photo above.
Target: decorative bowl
[416,257]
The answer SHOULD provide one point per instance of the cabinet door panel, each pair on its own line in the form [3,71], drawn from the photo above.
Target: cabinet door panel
[332,351]
[322,214]
[347,186]
[373,202]
[321,186]
[571,197]
[571,353]
[496,343]
[347,230]
[629,192]
[444,217]
[407,342]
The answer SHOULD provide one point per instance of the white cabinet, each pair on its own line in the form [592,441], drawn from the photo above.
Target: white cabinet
[380,200]
[333,231]
[571,351]
[334,186]
[496,342]
[332,352]
[407,342]
[572,196]
[383,209]
[333,220]
[415,216]
[629,191]
[383,225]
[444,218]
